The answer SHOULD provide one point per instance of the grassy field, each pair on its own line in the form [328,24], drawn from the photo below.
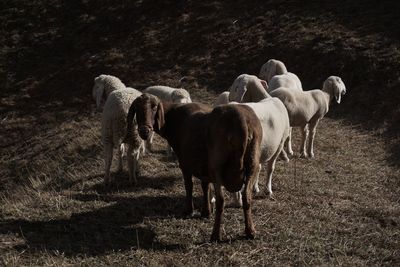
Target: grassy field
[342,208]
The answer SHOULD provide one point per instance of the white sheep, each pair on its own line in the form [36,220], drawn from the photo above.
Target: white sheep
[309,107]
[103,86]
[276,74]
[174,95]
[222,99]
[248,88]
[275,125]
[113,130]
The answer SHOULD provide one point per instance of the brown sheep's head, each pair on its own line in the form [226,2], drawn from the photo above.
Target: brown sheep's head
[149,114]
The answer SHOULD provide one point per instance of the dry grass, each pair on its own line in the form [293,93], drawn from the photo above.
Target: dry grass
[342,208]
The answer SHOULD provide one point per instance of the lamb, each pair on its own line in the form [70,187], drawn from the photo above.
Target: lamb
[248,88]
[113,127]
[222,99]
[309,107]
[103,86]
[276,74]
[220,146]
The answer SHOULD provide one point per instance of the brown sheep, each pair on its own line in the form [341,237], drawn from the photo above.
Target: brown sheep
[220,146]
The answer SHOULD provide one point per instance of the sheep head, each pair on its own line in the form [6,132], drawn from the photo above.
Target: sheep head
[149,113]
[98,90]
[180,96]
[271,68]
[335,87]
[244,86]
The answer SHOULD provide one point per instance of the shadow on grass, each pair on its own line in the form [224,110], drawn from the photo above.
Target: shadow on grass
[112,228]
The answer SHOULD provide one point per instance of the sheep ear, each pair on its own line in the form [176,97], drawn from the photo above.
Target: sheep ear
[159,120]
[264,84]
[99,95]
[129,123]
[338,96]
[271,71]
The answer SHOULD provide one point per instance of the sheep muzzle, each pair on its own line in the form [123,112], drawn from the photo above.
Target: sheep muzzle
[144,131]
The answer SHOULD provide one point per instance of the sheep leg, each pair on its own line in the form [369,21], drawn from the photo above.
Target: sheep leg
[271,168]
[289,143]
[313,130]
[187,176]
[108,155]
[120,155]
[149,142]
[206,210]
[247,199]
[256,187]
[216,233]
[132,158]
[304,136]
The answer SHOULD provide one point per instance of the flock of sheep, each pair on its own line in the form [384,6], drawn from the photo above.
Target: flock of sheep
[224,146]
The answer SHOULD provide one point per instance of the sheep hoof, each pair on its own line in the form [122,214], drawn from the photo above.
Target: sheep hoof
[311,155]
[206,214]
[256,189]
[290,152]
[271,197]
[304,155]
[216,237]
[250,233]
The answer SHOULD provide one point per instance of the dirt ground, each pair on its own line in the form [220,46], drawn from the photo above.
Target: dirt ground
[341,208]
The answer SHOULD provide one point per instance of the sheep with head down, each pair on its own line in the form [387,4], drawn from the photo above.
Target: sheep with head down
[307,108]
[103,86]
[117,98]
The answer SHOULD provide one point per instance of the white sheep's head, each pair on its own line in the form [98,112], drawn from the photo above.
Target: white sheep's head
[98,90]
[335,87]
[181,96]
[271,68]
[241,86]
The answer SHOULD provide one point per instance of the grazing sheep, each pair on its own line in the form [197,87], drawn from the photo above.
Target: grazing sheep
[219,146]
[309,107]
[103,86]
[248,88]
[222,99]
[276,74]
[113,130]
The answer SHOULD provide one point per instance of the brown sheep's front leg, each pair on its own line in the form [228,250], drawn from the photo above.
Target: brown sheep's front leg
[216,233]
[187,176]
[206,210]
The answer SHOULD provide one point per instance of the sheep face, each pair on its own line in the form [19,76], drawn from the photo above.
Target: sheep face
[180,96]
[98,91]
[149,114]
[335,87]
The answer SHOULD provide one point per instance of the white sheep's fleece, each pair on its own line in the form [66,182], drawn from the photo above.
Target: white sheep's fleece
[175,95]
[103,86]
[248,88]
[114,124]
[287,80]
[222,99]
